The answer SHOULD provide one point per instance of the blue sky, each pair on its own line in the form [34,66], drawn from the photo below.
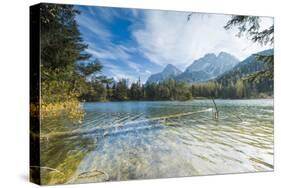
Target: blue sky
[133,43]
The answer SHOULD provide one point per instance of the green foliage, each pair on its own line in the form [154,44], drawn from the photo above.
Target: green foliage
[121,90]
[239,89]
[61,43]
[250,25]
[66,76]
[87,69]
[61,48]
[267,73]
[181,91]
[168,90]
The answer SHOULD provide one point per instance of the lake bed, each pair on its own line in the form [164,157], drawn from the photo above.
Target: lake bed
[142,139]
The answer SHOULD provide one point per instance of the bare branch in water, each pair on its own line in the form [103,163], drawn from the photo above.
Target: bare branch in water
[48,168]
[216,112]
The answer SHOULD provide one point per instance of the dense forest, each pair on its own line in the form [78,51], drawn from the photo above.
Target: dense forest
[177,90]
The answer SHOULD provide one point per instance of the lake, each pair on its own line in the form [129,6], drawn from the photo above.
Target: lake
[141,140]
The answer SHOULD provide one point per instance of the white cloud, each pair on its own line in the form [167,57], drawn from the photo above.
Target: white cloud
[147,71]
[167,37]
[117,72]
[107,14]
[100,53]
[112,52]
[136,67]
[120,53]
[94,26]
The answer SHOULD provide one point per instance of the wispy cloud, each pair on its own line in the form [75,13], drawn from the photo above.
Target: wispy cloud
[93,26]
[110,52]
[117,71]
[167,37]
[120,58]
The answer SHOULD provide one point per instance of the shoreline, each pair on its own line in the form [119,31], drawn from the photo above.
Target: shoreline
[200,98]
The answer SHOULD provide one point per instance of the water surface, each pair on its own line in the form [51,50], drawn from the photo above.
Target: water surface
[128,140]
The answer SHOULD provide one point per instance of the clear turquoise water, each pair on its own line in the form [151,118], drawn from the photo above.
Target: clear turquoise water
[131,143]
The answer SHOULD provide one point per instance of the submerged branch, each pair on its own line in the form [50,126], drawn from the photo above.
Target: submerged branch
[95,130]
[93,173]
[237,117]
[48,168]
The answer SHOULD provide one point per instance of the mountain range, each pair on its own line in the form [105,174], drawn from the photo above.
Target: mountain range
[208,67]
[245,67]
[169,72]
[212,67]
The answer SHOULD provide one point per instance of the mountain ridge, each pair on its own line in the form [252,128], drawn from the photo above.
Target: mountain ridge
[246,67]
[205,68]
[169,72]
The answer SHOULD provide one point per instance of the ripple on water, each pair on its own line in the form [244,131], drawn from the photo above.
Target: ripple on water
[131,148]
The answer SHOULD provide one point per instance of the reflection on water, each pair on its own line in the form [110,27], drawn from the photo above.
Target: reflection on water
[127,140]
